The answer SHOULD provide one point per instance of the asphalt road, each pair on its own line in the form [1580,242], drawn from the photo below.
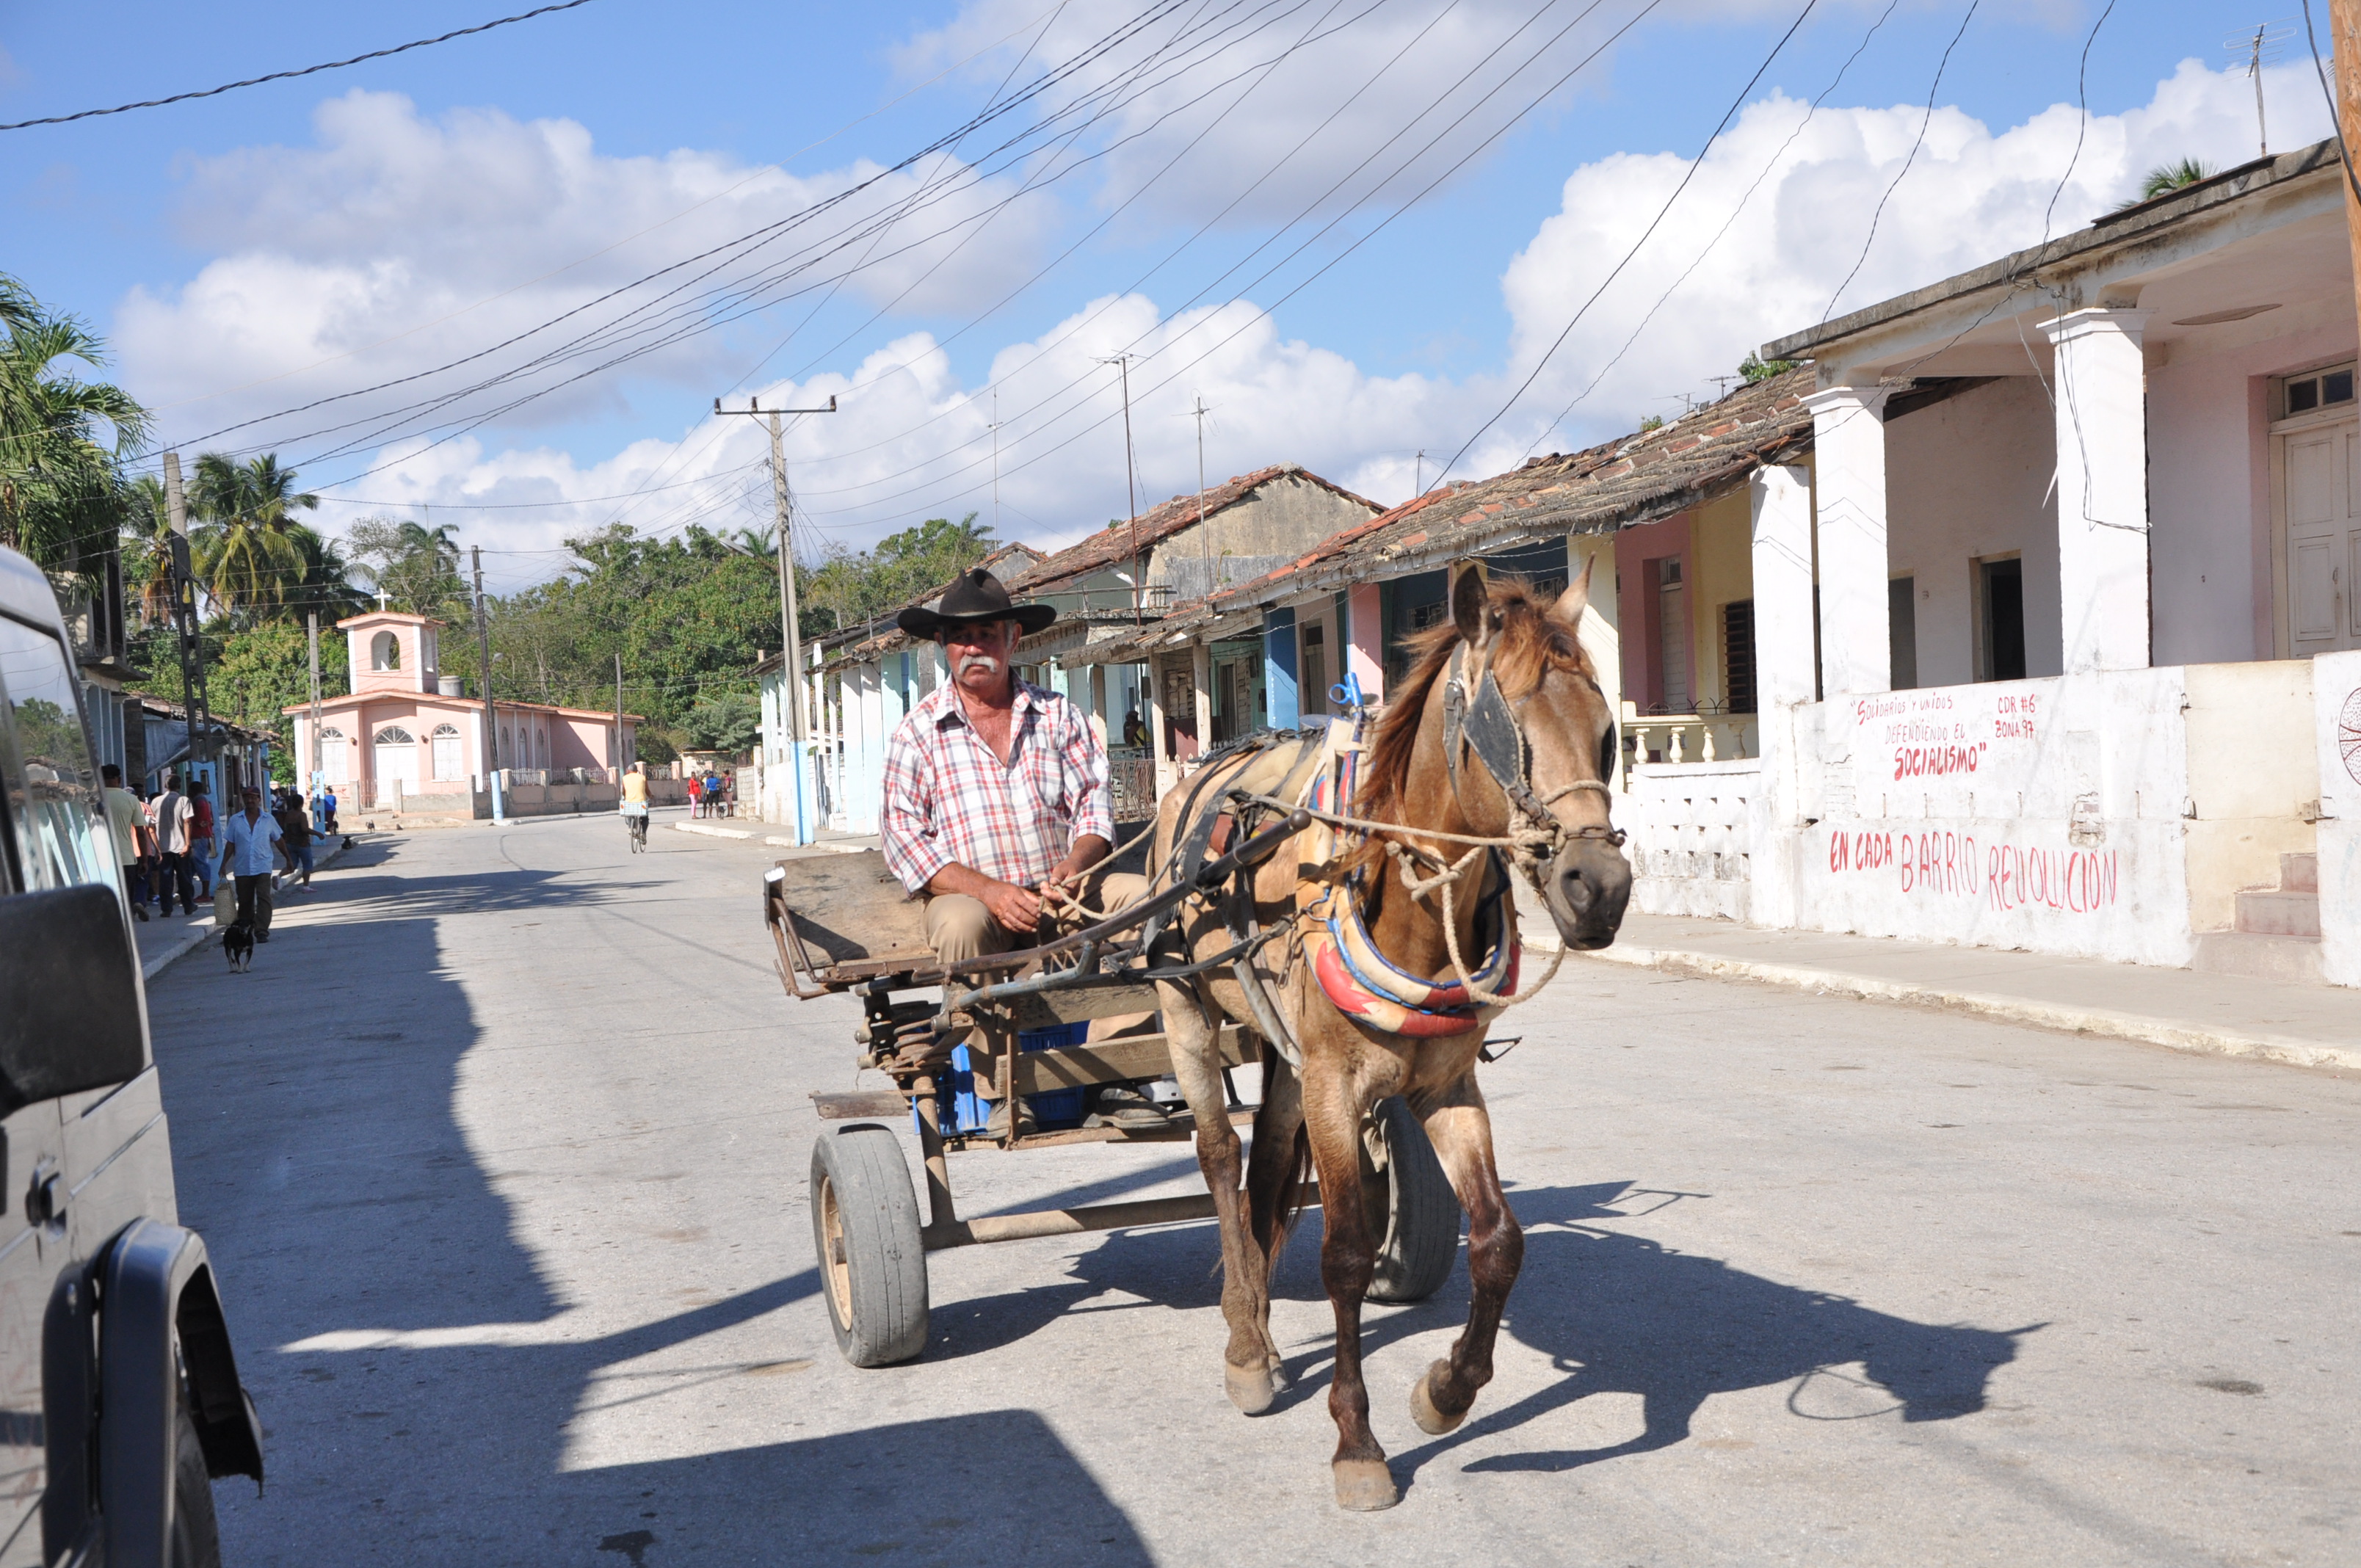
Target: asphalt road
[501,1150]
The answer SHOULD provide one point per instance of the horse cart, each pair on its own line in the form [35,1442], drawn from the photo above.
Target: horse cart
[843,925]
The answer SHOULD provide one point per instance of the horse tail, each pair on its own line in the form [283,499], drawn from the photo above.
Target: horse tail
[1295,1188]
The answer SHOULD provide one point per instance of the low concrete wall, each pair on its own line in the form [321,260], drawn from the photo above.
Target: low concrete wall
[2336,726]
[1691,838]
[2252,773]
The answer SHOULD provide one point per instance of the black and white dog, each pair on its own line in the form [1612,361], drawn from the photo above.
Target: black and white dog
[238,946]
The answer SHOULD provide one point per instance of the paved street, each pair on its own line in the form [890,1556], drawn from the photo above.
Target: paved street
[501,1149]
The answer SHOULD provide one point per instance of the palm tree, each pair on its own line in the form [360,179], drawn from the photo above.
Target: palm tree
[61,437]
[244,547]
[148,549]
[2166,177]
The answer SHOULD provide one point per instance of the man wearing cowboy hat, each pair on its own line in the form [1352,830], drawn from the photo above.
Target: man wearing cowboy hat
[996,806]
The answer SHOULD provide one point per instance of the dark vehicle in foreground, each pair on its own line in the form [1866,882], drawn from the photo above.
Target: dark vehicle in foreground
[119,1395]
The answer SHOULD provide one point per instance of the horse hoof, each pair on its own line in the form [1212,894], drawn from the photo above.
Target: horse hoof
[1249,1388]
[1431,1419]
[1365,1486]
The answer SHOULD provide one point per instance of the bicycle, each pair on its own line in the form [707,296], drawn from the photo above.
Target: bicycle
[637,822]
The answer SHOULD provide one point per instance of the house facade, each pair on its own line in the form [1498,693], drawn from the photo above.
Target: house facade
[408,738]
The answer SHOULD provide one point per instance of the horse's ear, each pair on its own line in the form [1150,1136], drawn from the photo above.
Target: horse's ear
[1471,602]
[1577,598]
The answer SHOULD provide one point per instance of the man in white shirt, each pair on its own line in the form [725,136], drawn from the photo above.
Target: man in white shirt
[248,837]
[175,821]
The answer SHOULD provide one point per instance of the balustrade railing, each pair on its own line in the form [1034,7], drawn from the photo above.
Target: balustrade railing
[1686,736]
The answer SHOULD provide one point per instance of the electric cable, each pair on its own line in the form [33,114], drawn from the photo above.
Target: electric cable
[291,75]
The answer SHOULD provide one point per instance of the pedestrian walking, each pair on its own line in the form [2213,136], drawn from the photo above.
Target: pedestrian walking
[328,802]
[696,796]
[295,829]
[248,837]
[175,821]
[201,836]
[128,820]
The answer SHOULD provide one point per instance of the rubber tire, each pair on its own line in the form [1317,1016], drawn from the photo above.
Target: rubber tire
[876,1298]
[1421,1214]
[196,1533]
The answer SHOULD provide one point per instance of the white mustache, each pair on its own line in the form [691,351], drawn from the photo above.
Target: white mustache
[984,662]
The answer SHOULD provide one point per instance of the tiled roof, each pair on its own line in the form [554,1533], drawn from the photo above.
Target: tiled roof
[1636,478]
[1119,540]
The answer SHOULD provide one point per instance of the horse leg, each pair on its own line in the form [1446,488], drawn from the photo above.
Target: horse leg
[1196,1067]
[1276,1167]
[1348,1256]
[1461,1131]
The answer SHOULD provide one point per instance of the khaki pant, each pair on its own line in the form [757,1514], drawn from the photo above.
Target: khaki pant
[959,927]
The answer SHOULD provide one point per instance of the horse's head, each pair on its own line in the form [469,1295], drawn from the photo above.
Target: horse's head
[1536,743]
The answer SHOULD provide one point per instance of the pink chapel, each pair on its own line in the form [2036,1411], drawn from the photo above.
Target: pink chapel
[409,730]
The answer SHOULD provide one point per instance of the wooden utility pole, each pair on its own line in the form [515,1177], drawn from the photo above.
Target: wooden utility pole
[619,717]
[2345,40]
[184,614]
[791,657]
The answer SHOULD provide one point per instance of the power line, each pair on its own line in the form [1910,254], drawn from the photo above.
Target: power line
[291,75]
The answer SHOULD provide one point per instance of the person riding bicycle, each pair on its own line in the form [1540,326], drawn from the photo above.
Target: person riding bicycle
[634,805]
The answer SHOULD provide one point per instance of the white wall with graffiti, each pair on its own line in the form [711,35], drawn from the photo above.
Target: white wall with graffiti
[2336,705]
[2043,814]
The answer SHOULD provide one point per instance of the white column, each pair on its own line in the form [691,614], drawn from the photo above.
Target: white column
[1200,679]
[1598,633]
[1151,708]
[1849,446]
[1099,704]
[2101,403]
[1782,504]
[1781,501]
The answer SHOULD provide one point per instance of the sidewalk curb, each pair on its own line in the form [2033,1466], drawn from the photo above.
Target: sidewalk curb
[195,938]
[2196,1038]
[828,846]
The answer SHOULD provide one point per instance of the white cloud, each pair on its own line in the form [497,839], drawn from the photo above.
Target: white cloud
[913,439]
[1971,196]
[396,243]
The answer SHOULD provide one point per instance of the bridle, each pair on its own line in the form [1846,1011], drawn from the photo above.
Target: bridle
[1486,726]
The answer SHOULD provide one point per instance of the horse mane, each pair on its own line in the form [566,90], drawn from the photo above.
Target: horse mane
[1528,645]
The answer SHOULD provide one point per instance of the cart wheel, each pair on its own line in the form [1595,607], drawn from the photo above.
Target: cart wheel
[873,1265]
[1420,1213]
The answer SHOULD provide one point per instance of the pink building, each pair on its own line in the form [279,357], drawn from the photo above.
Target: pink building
[408,730]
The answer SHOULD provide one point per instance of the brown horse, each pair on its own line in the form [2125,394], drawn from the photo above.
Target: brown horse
[1562,734]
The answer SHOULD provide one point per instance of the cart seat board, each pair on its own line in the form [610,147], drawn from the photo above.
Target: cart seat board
[849,909]
[1111,1062]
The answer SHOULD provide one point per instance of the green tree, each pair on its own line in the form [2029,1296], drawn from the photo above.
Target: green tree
[1756,369]
[61,438]
[245,546]
[730,721]
[2166,177]
[417,568]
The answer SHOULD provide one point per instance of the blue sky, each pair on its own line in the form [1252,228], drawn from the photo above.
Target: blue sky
[297,241]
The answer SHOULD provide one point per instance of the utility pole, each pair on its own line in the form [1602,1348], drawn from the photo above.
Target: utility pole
[619,719]
[1204,540]
[184,615]
[491,717]
[1122,362]
[1418,472]
[2344,39]
[791,657]
[311,619]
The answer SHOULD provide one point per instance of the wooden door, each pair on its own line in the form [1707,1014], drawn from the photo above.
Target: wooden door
[2323,539]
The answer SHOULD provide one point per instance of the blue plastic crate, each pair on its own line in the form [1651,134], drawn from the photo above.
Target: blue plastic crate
[966,1112]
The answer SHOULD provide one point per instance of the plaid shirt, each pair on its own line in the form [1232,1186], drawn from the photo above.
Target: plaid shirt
[949,799]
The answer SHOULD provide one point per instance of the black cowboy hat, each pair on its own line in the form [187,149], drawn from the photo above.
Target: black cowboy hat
[976,596]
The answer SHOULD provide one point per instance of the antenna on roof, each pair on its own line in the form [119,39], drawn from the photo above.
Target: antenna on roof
[2265,46]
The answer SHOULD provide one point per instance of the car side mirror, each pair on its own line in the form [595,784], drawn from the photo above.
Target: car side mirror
[72,1017]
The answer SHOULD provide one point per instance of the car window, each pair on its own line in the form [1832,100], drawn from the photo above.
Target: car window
[53,796]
